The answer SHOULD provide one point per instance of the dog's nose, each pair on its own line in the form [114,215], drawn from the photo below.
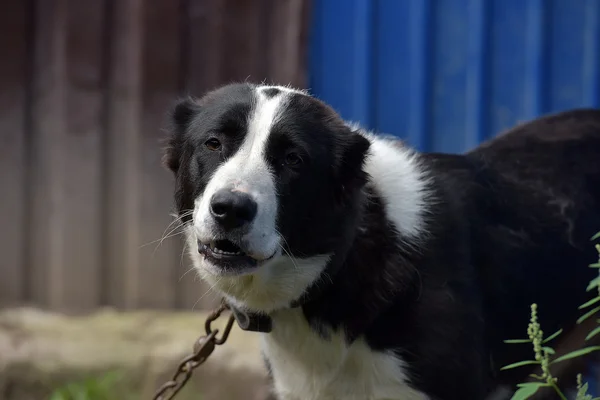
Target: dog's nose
[232,209]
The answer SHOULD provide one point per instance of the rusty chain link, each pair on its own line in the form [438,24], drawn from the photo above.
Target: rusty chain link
[203,348]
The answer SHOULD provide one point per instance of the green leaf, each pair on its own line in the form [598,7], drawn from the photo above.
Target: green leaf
[553,336]
[593,333]
[596,236]
[593,283]
[594,265]
[58,395]
[520,364]
[588,314]
[110,379]
[527,390]
[589,303]
[576,353]
[538,384]
[549,350]
[582,392]
[513,341]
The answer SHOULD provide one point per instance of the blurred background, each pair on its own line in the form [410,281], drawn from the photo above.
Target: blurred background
[87,287]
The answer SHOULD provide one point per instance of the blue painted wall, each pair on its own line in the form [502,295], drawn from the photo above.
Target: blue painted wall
[446,74]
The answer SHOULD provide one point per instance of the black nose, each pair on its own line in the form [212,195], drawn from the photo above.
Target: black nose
[232,209]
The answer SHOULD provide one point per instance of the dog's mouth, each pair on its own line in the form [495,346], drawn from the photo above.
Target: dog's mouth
[224,248]
[228,256]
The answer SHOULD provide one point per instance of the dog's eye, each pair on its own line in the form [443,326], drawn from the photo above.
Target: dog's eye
[292,159]
[213,144]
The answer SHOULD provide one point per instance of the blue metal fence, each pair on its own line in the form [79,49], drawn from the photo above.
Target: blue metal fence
[446,74]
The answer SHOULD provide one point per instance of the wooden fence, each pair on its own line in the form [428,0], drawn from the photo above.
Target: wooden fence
[85,85]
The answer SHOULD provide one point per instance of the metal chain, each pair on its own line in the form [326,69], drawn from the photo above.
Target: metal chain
[203,348]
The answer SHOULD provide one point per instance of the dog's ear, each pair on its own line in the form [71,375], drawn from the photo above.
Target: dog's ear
[353,151]
[179,119]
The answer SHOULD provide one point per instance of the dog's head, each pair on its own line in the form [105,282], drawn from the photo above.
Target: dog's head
[266,178]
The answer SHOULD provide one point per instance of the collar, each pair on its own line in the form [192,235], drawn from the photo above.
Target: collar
[252,322]
[263,323]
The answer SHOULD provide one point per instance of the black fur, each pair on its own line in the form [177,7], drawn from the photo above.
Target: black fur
[509,225]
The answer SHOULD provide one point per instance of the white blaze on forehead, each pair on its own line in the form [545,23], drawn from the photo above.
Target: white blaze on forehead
[265,115]
[247,170]
[248,166]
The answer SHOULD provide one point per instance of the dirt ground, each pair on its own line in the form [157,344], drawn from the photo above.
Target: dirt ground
[40,351]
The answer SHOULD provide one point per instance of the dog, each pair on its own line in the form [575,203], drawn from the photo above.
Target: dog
[371,270]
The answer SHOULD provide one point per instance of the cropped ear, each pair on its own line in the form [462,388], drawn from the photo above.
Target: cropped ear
[180,117]
[351,158]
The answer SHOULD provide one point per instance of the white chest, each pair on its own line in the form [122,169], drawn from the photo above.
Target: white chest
[307,367]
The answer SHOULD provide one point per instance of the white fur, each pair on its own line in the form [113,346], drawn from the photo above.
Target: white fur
[402,183]
[307,367]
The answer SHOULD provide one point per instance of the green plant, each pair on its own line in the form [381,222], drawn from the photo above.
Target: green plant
[91,388]
[543,352]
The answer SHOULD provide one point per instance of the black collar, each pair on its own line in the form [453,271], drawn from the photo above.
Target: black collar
[252,322]
[256,322]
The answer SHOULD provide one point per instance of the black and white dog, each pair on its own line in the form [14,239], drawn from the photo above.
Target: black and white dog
[374,271]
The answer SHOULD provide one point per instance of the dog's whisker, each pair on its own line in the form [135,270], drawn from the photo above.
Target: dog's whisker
[290,255]
[328,276]
[182,225]
[183,249]
[177,219]
[161,240]
[209,290]
[171,234]
[284,249]
[187,272]
[164,237]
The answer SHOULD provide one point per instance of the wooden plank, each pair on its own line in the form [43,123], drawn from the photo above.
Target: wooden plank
[160,84]
[13,98]
[122,161]
[286,41]
[46,196]
[242,33]
[83,145]
[202,47]
[203,55]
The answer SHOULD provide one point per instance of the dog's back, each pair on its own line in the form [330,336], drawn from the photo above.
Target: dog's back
[539,193]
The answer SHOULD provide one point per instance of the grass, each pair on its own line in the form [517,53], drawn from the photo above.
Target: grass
[104,387]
